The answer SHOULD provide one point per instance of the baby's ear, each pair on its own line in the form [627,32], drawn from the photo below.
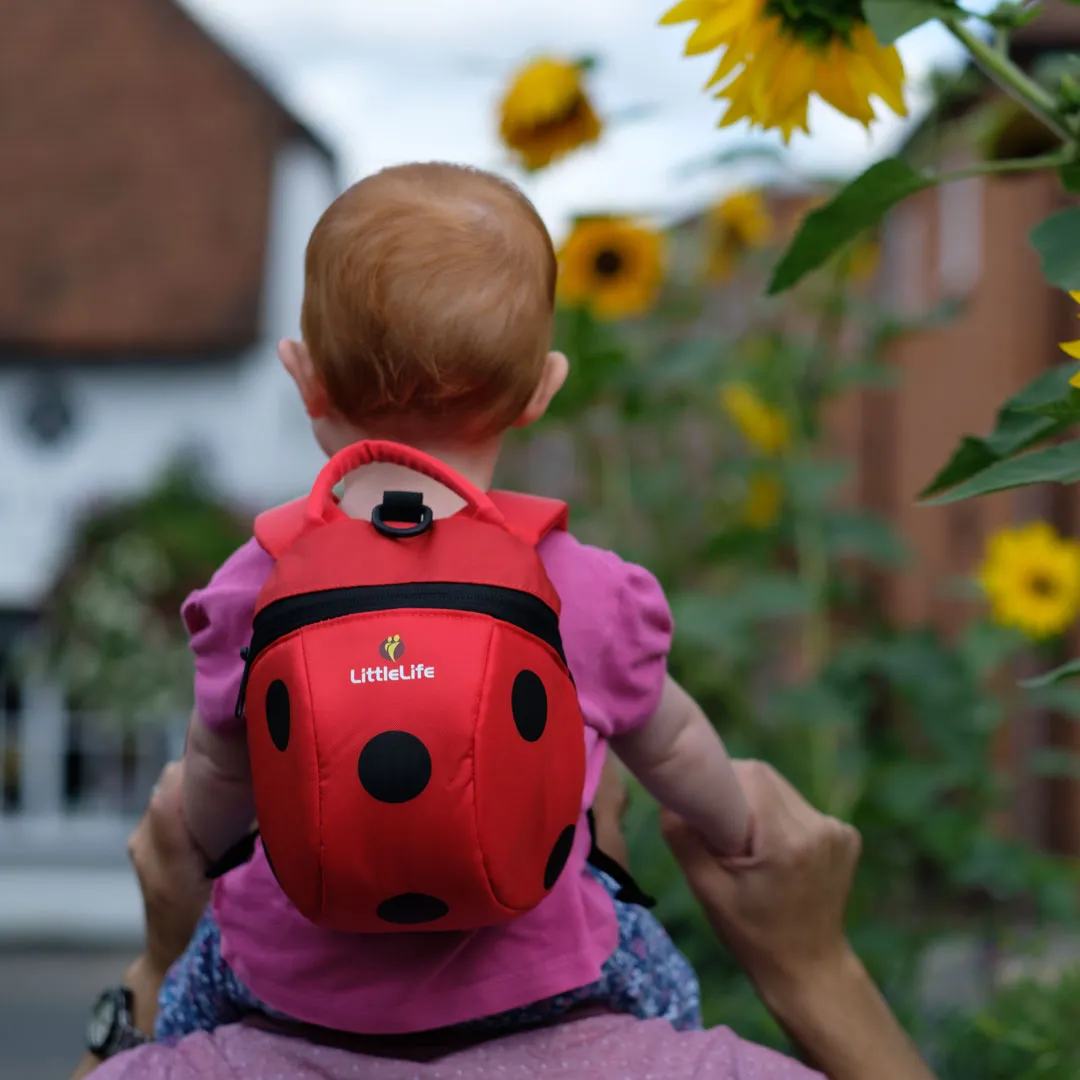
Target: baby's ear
[556,369]
[296,360]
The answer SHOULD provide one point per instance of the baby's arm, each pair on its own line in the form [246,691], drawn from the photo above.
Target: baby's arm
[681,762]
[218,802]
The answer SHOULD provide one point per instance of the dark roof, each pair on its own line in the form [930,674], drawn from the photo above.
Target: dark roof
[136,162]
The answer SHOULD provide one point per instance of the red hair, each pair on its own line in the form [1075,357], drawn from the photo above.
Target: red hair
[428,302]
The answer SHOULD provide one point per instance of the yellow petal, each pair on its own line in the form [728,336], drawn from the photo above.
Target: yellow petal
[712,32]
[728,63]
[835,85]
[1075,296]
[887,66]
[787,77]
[1071,348]
[687,11]
[1075,380]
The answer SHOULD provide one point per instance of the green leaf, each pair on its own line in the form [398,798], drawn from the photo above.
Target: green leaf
[1019,427]
[971,457]
[1054,762]
[1066,409]
[1071,670]
[852,376]
[1057,240]
[892,19]
[810,483]
[858,206]
[985,646]
[863,536]
[1070,178]
[1063,699]
[1052,465]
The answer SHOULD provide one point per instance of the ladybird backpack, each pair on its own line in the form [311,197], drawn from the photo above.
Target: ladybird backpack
[417,748]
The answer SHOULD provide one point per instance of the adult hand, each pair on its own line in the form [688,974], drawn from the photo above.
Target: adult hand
[781,908]
[170,870]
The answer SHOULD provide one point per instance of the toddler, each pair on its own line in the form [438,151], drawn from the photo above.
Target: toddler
[427,319]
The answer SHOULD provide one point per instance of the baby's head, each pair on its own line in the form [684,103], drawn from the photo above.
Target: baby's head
[428,306]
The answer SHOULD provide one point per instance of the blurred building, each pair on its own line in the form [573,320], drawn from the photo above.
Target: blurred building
[968,242]
[155,201]
[963,246]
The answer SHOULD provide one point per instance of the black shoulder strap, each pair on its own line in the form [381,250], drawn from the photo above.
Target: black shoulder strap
[629,890]
[241,852]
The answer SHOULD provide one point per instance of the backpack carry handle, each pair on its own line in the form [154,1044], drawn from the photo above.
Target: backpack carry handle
[377,451]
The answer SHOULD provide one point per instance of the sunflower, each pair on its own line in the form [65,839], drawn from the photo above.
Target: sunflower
[612,266]
[545,114]
[862,260]
[761,425]
[1072,348]
[1031,576]
[764,499]
[777,53]
[735,225]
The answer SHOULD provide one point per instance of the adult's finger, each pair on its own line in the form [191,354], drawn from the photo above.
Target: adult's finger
[706,875]
[785,903]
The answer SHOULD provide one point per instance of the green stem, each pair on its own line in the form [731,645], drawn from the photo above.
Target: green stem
[1011,79]
[1013,165]
[811,551]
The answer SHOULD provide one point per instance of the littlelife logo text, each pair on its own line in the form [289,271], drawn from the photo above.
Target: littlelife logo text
[401,673]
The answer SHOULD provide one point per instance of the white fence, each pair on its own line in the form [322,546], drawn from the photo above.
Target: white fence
[73,783]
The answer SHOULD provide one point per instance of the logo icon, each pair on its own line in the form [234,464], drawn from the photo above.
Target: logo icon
[392,649]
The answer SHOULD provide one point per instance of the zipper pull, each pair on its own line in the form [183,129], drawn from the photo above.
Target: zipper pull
[245,655]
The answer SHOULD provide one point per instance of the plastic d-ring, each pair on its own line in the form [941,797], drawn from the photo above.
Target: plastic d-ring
[402,506]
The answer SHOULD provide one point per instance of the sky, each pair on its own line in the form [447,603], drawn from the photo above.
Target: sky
[387,81]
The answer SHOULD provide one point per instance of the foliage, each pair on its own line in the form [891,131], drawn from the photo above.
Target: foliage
[780,632]
[1027,1032]
[1014,455]
[111,630]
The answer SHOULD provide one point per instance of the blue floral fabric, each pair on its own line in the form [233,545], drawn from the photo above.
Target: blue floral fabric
[646,977]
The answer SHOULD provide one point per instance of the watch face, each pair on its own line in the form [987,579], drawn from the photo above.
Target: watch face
[102,1021]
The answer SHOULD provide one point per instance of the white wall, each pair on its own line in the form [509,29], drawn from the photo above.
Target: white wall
[128,422]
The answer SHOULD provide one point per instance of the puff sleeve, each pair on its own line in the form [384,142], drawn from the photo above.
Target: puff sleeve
[218,621]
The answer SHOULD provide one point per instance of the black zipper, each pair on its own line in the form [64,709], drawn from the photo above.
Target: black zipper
[282,617]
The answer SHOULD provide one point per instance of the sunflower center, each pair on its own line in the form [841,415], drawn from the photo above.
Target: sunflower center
[817,23]
[1042,585]
[608,262]
[574,111]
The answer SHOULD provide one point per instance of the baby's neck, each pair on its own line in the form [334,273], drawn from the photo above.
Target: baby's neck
[363,489]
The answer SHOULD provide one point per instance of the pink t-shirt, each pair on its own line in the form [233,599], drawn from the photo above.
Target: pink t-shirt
[599,1048]
[616,629]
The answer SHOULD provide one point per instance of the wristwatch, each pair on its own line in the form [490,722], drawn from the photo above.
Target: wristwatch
[111,1028]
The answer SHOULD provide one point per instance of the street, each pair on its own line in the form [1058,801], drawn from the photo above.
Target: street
[44,1001]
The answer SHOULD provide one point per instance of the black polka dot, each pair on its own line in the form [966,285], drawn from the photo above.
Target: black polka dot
[411,909]
[394,767]
[559,854]
[277,713]
[528,701]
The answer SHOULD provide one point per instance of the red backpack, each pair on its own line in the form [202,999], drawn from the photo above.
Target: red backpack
[417,748]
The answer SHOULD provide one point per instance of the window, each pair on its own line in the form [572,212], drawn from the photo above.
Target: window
[48,415]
